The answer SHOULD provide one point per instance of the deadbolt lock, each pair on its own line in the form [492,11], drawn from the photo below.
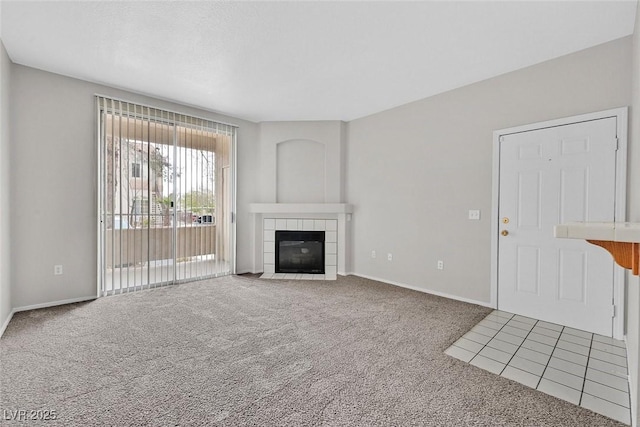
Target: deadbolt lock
[505,220]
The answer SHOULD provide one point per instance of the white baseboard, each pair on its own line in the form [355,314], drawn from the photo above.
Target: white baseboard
[53,303]
[426,291]
[6,323]
[42,305]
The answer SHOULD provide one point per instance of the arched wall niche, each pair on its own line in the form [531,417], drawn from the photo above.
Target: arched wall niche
[300,171]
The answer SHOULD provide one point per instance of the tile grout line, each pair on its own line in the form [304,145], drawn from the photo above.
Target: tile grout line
[607,373]
[626,366]
[549,360]
[584,381]
[494,335]
[519,347]
[600,370]
[586,368]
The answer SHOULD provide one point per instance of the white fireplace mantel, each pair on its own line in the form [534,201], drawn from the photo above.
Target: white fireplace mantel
[300,208]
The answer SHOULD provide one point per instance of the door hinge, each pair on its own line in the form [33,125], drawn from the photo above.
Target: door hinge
[615,144]
[233,217]
[613,311]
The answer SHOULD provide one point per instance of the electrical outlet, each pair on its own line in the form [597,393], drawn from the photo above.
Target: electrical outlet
[440,265]
[389,257]
[57,270]
[474,214]
[373,254]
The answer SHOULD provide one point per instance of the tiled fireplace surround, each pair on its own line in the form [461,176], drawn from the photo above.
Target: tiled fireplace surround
[329,226]
[332,218]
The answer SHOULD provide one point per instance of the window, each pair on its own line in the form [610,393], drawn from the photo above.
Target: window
[158,169]
[136,170]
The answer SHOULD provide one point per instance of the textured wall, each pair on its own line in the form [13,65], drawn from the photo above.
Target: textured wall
[54,208]
[5,187]
[303,137]
[633,203]
[414,171]
[300,175]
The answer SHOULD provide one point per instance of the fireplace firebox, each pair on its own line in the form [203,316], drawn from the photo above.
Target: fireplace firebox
[299,252]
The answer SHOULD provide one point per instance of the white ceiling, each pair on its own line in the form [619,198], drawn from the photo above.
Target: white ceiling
[301,60]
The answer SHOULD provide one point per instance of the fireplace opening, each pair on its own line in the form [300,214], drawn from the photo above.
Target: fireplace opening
[300,252]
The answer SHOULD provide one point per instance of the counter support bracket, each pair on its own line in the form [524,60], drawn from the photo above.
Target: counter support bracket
[625,254]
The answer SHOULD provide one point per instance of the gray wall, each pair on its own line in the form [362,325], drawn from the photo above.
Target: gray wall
[296,135]
[413,172]
[53,171]
[300,175]
[633,284]
[5,188]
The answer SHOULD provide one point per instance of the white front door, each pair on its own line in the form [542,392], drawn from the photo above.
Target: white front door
[548,177]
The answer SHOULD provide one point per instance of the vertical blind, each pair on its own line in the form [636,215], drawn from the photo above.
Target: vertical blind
[166,196]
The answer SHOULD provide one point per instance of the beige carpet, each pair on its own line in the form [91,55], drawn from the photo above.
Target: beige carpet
[244,351]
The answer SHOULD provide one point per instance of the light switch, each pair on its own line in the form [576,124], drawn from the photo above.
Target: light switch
[474,214]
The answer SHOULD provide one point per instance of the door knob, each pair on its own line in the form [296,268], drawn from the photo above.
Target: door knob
[504,232]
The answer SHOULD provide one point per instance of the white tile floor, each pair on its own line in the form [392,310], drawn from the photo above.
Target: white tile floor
[585,369]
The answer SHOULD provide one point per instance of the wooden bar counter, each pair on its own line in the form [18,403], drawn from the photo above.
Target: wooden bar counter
[621,239]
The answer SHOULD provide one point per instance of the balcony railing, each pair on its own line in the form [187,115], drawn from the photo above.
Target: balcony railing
[125,247]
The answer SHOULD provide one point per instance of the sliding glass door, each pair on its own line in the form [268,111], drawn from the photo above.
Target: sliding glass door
[166,197]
